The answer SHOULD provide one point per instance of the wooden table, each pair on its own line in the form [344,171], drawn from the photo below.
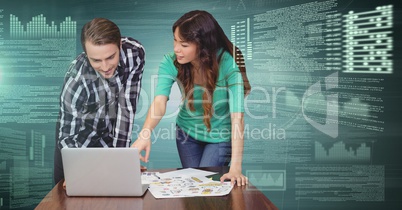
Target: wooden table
[240,198]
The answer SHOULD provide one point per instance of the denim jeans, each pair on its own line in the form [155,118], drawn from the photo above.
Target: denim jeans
[194,153]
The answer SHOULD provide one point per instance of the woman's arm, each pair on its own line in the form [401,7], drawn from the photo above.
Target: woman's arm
[155,114]
[235,172]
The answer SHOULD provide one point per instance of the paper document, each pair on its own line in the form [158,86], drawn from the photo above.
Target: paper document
[148,177]
[184,183]
[188,172]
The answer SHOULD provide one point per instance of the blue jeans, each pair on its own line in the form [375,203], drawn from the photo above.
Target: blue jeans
[194,153]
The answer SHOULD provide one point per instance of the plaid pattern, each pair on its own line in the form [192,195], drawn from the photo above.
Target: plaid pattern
[98,112]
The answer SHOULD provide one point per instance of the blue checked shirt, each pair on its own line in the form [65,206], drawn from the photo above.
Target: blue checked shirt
[98,112]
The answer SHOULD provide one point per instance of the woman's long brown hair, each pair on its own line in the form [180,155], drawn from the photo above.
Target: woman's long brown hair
[201,28]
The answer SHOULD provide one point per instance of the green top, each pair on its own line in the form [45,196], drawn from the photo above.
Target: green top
[228,98]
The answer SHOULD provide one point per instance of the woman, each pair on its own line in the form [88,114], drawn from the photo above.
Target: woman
[210,122]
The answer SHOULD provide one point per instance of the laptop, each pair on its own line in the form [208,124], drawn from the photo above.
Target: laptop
[102,172]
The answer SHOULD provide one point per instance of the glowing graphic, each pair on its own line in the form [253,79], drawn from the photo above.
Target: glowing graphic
[340,153]
[271,180]
[368,41]
[37,28]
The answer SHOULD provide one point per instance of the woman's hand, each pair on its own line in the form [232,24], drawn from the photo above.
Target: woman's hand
[235,176]
[143,144]
[155,114]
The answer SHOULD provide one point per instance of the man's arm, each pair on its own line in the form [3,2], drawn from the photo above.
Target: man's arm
[70,116]
[72,98]
[128,102]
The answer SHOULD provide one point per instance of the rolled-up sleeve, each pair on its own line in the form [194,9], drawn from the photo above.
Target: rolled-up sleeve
[128,101]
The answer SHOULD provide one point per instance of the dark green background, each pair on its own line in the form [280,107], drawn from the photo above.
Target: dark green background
[27,141]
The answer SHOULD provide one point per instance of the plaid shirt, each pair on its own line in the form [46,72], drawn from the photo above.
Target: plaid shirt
[98,112]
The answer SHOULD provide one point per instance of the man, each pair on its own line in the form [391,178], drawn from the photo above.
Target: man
[100,93]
